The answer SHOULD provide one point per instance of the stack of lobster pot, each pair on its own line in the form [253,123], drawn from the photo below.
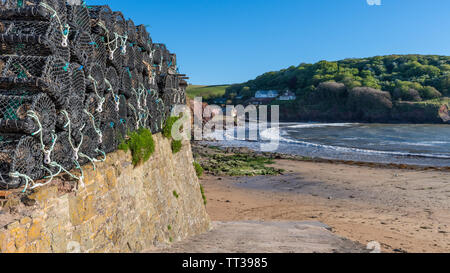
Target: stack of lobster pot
[74,81]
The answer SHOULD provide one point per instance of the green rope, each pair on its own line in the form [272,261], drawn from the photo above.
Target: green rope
[24,176]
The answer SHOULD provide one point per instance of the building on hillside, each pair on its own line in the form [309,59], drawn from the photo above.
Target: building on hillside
[288,96]
[266,94]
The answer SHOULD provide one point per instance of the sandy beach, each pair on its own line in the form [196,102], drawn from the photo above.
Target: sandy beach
[403,210]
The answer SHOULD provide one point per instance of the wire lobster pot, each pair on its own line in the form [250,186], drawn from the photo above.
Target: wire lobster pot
[62,154]
[96,79]
[72,118]
[74,81]
[32,38]
[156,110]
[120,26]
[84,50]
[19,156]
[131,30]
[78,18]
[27,114]
[143,38]
[101,18]
[126,83]
[78,78]
[36,9]
[122,128]
[100,54]
[48,74]
[109,125]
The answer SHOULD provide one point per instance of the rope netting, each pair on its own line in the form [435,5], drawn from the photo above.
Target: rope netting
[74,81]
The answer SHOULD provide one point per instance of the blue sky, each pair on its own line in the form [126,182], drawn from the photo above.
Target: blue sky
[232,41]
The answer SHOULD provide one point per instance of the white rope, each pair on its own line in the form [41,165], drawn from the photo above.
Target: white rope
[116,97]
[136,115]
[101,99]
[98,131]
[47,153]
[64,29]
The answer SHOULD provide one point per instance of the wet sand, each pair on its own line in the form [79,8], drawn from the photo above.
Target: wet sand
[403,210]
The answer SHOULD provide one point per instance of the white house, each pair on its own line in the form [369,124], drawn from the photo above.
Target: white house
[288,95]
[266,94]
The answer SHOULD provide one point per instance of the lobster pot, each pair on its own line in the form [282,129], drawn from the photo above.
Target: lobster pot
[143,38]
[32,38]
[131,30]
[170,82]
[63,153]
[89,145]
[173,59]
[123,116]
[148,83]
[168,95]
[101,19]
[14,114]
[137,80]
[96,79]
[78,80]
[172,64]
[119,24]
[43,8]
[155,110]
[9,9]
[78,18]
[180,97]
[157,54]
[109,47]
[73,116]
[109,125]
[147,64]
[114,53]
[90,137]
[91,105]
[83,50]
[112,80]
[139,58]
[133,114]
[19,156]
[129,57]
[126,82]
[100,54]
[50,74]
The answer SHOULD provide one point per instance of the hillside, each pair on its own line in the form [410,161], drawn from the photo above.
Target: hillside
[206,92]
[394,88]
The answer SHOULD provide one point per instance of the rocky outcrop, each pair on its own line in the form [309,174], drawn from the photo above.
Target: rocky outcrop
[444,113]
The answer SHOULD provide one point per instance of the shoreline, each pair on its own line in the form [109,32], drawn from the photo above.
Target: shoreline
[276,155]
[404,209]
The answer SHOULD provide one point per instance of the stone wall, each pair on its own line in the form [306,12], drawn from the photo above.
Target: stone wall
[120,209]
